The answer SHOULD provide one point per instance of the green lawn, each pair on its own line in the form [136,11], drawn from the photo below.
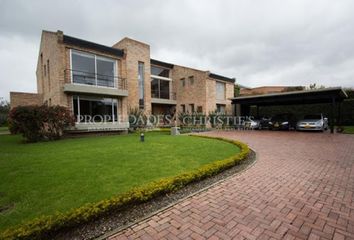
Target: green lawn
[349,129]
[42,178]
[4,129]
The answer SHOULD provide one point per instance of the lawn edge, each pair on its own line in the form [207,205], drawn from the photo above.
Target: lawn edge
[140,220]
[42,226]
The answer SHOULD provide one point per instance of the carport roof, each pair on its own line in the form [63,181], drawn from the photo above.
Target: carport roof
[325,95]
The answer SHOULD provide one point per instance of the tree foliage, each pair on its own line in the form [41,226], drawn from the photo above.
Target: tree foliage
[37,123]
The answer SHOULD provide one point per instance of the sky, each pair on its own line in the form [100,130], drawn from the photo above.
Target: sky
[258,42]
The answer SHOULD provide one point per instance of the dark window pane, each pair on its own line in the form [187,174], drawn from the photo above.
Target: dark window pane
[158,71]
[164,89]
[105,73]
[96,110]
[83,68]
[155,88]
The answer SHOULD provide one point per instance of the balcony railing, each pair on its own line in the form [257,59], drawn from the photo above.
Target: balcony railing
[163,95]
[94,79]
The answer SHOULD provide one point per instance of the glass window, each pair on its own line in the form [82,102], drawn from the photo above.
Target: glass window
[159,71]
[183,82]
[105,72]
[95,110]
[220,108]
[141,79]
[160,88]
[220,91]
[155,88]
[191,80]
[199,109]
[83,68]
[164,89]
[191,106]
[92,70]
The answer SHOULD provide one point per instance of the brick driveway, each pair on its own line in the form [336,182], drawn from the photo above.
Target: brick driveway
[301,187]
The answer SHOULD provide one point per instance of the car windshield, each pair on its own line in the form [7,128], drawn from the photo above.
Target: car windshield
[312,117]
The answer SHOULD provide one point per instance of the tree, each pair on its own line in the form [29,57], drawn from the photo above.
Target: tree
[37,123]
[4,111]
[236,90]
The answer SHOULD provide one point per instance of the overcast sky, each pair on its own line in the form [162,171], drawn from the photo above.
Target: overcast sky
[259,42]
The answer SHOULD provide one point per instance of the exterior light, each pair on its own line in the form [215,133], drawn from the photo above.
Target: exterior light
[142,137]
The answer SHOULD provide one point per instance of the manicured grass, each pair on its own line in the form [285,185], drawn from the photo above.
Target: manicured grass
[349,129]
[4,129]
[42,178]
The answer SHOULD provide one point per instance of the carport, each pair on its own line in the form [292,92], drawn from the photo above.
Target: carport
[334,96]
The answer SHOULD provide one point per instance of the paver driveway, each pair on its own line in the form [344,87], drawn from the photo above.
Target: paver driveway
[301,187]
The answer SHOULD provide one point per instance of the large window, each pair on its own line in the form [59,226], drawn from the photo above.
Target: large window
[160,88]
[91,69]
[159,71]
[95,110]
[220,91]
[141,79]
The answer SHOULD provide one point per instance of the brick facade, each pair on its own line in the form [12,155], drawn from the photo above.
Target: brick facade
[25,99]
[54,74]
[268,89]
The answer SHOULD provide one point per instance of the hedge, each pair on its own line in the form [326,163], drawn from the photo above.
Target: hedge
[42,227]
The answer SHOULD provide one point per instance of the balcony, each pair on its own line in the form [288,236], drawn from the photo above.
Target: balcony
[163,97]
[98,84]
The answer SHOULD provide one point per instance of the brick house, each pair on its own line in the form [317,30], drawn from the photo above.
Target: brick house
[96,80]
[268,89]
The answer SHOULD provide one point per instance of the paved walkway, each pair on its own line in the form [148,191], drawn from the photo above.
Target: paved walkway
[302,187]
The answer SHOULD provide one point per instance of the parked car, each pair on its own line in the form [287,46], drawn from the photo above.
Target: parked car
[252,123]
[285,121]
[263,122]
[315,122]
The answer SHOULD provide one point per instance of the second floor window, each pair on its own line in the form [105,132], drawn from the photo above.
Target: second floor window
[191,80]
[183,82]
[160,88]
[91,69]
[159,71]
[220,91]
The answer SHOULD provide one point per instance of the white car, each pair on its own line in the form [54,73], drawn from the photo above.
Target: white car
[315,122]
[252,124]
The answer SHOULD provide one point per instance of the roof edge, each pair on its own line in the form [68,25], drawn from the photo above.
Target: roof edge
[223,78]
[91,45]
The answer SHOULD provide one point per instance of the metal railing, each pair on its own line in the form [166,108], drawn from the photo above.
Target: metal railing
[163,94]
[94,79]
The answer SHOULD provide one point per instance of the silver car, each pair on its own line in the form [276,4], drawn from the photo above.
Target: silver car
[315,122]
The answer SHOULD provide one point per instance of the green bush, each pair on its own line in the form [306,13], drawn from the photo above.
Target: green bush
[37,123]
[40,228]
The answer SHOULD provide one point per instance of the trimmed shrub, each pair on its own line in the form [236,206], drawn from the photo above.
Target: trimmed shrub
[37,123]
[40,228]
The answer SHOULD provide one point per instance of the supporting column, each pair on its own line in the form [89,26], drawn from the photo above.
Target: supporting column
[339,119]
[332,114]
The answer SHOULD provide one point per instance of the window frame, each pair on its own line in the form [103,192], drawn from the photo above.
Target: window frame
[91,98]
[216,90]
[95,56]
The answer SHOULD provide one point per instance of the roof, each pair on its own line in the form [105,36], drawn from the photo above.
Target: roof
[91,45]
[161,64]
[324,95]
[219,77]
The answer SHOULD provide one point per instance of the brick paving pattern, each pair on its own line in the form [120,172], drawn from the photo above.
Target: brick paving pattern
[301,187]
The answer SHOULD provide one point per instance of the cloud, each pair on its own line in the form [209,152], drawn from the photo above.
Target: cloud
[290,42]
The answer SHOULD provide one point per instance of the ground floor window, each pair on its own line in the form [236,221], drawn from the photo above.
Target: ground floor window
[220,108]
[95,110]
